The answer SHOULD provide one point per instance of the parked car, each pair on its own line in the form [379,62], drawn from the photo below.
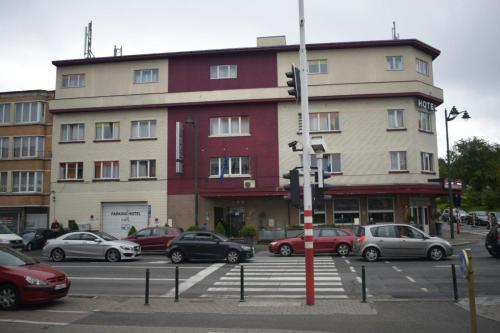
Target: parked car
[8,238]
[154,238]
[457,212]
[90,245]
[494,218]
[398,240]
[326,240]
[24,280]
[492,242]
[36,239]
[478,218]
[207,245]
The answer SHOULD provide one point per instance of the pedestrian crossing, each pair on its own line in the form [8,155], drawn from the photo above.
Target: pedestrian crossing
[278,277]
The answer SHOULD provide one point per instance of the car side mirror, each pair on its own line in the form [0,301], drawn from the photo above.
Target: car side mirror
[98,240]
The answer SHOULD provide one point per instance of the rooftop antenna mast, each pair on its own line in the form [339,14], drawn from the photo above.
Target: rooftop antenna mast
[395,35]
[118,51]
[87,47]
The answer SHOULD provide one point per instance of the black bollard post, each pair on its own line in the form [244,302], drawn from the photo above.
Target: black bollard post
[363,283]
[146,293]
[242,285]
[176,284]
[455,288]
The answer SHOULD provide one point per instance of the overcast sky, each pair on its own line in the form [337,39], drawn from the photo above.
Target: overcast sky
[33,33]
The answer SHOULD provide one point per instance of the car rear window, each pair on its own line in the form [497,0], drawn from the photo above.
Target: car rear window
[329,233]
[384,231]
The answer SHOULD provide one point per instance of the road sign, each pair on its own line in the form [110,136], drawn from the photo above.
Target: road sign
[464,264]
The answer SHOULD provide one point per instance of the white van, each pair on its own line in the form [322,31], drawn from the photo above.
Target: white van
[9,238]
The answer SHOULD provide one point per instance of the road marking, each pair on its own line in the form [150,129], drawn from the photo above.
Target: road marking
[127,267]
[352,269]
[278,273]
[274,289]
[397,269]
[276,283]
[194,279]
[120,279]
[425,290]
[280,278]
[33,322]
[410,279]
[333,269]
[387,262]
[358,279]
[62,311]
[275,296]
[442,266]
[347,261]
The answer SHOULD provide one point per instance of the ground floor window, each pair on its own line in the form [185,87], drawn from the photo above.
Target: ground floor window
[319,217]
[381,210]
[345,210]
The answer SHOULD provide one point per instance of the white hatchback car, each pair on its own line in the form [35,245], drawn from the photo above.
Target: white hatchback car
[7,237]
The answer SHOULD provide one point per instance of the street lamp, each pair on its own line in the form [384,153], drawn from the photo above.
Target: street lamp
[449,117]
[191,121]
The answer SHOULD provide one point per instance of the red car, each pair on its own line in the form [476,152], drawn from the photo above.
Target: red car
[154,238]
[326,240]
[24,280]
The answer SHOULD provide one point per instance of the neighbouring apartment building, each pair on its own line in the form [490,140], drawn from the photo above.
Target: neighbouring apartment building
[133,133]
[25,153]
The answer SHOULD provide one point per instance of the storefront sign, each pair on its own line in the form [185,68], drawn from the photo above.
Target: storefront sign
[426,105]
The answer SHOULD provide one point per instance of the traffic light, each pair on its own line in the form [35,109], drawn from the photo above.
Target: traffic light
[294,82]
[318,191]
[294,186]
[457,200]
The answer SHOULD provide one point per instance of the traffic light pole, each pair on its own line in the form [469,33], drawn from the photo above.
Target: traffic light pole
[306,164]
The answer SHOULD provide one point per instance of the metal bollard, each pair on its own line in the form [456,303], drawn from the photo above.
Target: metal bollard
[242,284]
[454,276]
[146,292]
[176,284]
[363,283]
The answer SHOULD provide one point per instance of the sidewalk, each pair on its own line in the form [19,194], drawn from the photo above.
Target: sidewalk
[465,236]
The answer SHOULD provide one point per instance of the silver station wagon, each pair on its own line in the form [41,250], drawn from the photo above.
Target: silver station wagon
[397,241]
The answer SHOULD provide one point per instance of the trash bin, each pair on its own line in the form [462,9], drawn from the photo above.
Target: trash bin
[439,229]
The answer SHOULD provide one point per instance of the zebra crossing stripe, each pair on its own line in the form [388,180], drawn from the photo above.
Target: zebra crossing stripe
[282,270]
[282,278]
[274,296]
[278,274]
[296,289]
[219,283]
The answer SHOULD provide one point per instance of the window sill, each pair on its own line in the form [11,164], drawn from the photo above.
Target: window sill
[106,180]
[320,132]
[399,171]
[142,179]
[229,135]
[114,140]
[428,172]
[70,181]
[231,176]
[23,193]
[340,173]
[142,139]
[152,82]
[76,141]
[396,129]
[424,131]
[27,158]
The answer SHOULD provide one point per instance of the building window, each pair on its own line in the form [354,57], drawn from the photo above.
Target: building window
[427,162]
[223,72]
[27,181]
[318,66]
[424,121]
[4,148]
[146,75]
[398,160]
[72,132]
[319,217]
[396,119]
[107,131]
[331,162]
[143,169]
[106,170]
[229,126]
[3,181]
[322,122]
[31,112]
[345,210]
[4,113]
[143,129]
[394,63]
[380,210]
[29,146]
[232,166]
[73,81]
[422,67]
[71,171]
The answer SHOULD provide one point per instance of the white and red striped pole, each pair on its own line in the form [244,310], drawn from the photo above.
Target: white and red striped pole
[306,164]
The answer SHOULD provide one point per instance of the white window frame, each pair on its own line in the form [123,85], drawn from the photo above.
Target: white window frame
[215,72]
[4,147]
[135,165]
[315,122]
[337,211]
[115,131]
[427,161]
[402,162]
[322,65]
[36,176]
[391,211]
[73,81]
[425,121]
[4,181]
[112,166]
[140,76]
[422,67]
[5,113]
[392,63]
[28,108]
[327,161]
[229,173]
[395,114]
[26,140]
[70,129]
[217,124]
[135,129]
[65,166]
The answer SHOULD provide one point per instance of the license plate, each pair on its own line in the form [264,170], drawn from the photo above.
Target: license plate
[60,286]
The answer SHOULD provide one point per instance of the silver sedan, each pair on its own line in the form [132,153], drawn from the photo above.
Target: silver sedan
[90,245]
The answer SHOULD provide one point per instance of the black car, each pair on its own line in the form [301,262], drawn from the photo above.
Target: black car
[493,241]
[204,245]
[36,239]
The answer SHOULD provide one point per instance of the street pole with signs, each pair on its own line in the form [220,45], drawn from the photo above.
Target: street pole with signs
[465,259]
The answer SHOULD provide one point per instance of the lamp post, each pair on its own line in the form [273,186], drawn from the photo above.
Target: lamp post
[449,117]
[191,121]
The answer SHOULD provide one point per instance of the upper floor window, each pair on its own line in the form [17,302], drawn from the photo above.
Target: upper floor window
[4,148]
[143,169]
[394,63]
[106,170]
[146,75]
[30,112]
[71,171]
[223,72]
[107,131]
[229,126]
[422,67]
[427,162]
[29,146]
[396,119]
[143,129]
[323,121]
[73,81]
[72,132]
[425,121]
[3,181]
[230,166]
[27,181]
[319,66]
[331,162]
[398,161]
[4,113]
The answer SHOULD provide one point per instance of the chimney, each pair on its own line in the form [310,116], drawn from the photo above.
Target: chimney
[271,41]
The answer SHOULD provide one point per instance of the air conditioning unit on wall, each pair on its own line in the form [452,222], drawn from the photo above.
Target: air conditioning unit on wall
[249,183]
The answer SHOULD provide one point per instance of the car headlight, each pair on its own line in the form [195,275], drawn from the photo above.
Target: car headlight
[35,281]
[128,248]
[246,248]
[4,241]
[273,243]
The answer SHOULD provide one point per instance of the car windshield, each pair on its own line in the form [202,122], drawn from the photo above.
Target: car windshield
[105,236]
[4,229]
[480,213]
[222,237]
[10,257]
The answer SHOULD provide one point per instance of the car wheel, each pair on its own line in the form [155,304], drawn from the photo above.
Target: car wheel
[29,247]
[343,249]
[177,257]
[113,255]
[371,254]
[436,253]
[233,257]
[57,255]
[9,297]
[493,253]
[285,250]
